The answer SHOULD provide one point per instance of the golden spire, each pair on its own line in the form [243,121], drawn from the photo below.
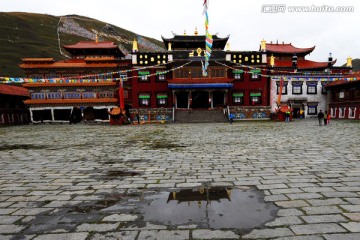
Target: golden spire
[227,46]
[169,47]
[96,38]
[263,45]
[349,62]
[184,32]
[272,60]
[135,46]
[196,32]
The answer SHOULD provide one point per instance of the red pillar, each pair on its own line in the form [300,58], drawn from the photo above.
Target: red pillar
[121,94]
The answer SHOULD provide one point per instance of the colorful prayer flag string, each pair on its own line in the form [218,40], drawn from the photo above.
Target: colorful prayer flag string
[208,39]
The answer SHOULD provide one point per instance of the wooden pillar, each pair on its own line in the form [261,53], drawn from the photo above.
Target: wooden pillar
[189,100]
[226,97]
[174,98]
[31,115]
[121,94]
[52,114]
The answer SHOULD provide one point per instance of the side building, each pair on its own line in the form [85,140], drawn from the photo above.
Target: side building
[12,108]
[344,97]
[59,90]
[303,81]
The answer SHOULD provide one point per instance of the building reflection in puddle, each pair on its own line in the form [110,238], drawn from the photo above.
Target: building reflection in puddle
[210,208]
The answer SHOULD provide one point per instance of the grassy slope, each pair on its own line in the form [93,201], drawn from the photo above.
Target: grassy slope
[35,35]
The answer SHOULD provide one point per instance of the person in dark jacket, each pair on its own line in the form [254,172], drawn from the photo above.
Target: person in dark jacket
[320,117]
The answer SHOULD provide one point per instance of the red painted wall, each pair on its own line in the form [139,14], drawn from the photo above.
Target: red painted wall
[248,85]
[152,87]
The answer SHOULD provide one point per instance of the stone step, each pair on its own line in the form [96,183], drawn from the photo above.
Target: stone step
[200,116]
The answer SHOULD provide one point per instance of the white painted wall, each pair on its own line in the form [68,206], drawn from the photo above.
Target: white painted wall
[319,97]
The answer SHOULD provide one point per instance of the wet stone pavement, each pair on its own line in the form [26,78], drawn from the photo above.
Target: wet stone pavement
[181,181]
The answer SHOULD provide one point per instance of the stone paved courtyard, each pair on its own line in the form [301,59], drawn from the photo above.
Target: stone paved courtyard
[55,181]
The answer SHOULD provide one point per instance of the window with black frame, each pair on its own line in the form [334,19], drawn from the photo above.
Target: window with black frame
[255,98]
[297,88]
[311,88]
[144,99]
[144,76]
[284,89]
[160,76]
[238,98]
[162,99]
[255,74]
[312,110]
[238,74]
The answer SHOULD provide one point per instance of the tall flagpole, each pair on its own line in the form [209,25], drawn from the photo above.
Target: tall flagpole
[208,39]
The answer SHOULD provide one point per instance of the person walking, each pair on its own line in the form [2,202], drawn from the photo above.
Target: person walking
[287,116]
[320,117]
[328,118]
[325,118]
[301,114]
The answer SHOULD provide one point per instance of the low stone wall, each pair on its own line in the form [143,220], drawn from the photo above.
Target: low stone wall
[152,115]
[251,112]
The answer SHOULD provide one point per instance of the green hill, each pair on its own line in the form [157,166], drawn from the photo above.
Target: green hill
[36,35]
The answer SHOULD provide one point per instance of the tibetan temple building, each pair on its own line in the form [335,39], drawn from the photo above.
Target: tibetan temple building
[303,80]
[160,86]
[343,98]
[95,95]
[12,107]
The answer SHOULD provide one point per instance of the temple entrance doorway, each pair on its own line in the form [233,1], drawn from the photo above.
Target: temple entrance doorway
[200,99]
[218,99]
[182,99]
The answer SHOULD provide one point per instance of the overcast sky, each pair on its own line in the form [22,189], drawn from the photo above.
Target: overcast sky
[244,21]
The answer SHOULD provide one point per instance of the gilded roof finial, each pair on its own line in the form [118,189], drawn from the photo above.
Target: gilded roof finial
[96,38]
[263,45]
[349,62]
[272,60]
[196,31]
[184,32]
[135,46]
[227,46]
[169,47]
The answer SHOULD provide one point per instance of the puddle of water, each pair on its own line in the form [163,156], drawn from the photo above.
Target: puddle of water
[215,208]
[122,173]
[21,146]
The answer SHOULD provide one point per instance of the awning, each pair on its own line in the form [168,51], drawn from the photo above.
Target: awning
[238,94]
[238,71]
[199,85]
[255,70]
[255,94]
[160,96]
[144,96]
[141,73]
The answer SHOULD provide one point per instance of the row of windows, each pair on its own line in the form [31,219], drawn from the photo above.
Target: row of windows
[255,98]
[145,99]
[347,95]
[20,118]
[342,110]
[240,76]
[70,95]
[146,78]
[198,73]
[298,89]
